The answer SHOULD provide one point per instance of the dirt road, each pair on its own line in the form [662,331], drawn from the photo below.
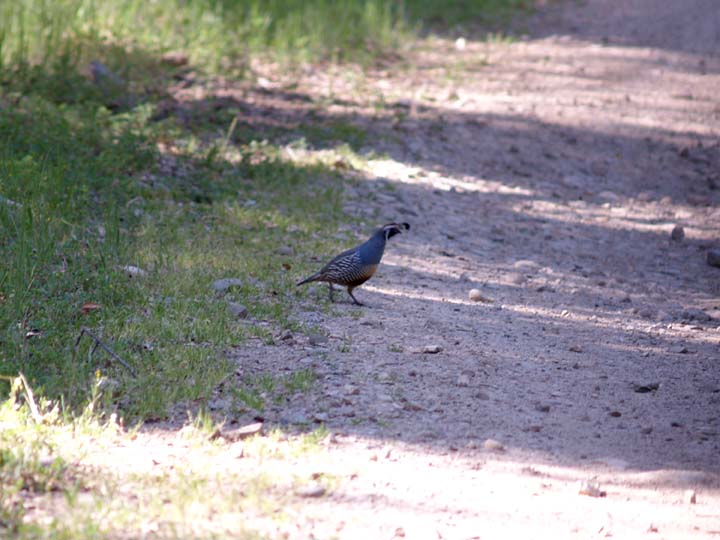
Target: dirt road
[549,174]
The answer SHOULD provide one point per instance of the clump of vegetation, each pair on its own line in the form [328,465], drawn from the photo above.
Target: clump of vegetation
[225,34]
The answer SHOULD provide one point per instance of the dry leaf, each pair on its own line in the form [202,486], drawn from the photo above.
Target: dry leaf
[87,307]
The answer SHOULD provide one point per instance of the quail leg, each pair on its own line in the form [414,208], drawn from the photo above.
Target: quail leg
[355,300]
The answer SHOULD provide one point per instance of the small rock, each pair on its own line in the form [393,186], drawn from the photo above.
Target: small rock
[242,432]
[679,349]
[615,414]
[218,404]
[222,285]
[287,251]
[310,490]
[609,196]
[294,418]
[476,296]
[575,349]
[695,314]
[527,266]
[647,313]
[690,497]
[238,310]
[713,257]
[542,407]
[431,349]
[646,388]
[591,489]
[317,339]
[678,233]
[287,335]
[699,200]
[320,417]
[133,271]
[517,279]
[493,445]
[349,389]
[460,44]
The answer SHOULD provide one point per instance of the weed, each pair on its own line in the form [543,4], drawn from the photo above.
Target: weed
[300,381]
[346,345]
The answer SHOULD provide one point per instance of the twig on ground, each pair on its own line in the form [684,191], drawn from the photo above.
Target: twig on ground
[107,349]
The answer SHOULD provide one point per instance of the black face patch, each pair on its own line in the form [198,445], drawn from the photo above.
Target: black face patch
[391,229]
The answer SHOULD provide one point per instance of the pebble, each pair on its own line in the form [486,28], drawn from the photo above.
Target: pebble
[287,335]
[713,257]
[591,489]
[526,265]
[678,233]
[218,404]
[350,390]
[431,349]
[609,196]
[288,251]
[493,445]
[542,407]
[294,418]
[690,497]
[647,313]
[222,285]
[646,388]
[133,271]
[310,490]
[695,314]
[238,310]
[243,432]
[318,339]
[476,296]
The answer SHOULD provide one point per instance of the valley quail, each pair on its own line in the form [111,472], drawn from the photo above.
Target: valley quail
[355,266]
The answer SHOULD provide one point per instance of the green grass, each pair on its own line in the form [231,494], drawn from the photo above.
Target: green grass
[87,193]
[224,35]
[459,14]
[219,33]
